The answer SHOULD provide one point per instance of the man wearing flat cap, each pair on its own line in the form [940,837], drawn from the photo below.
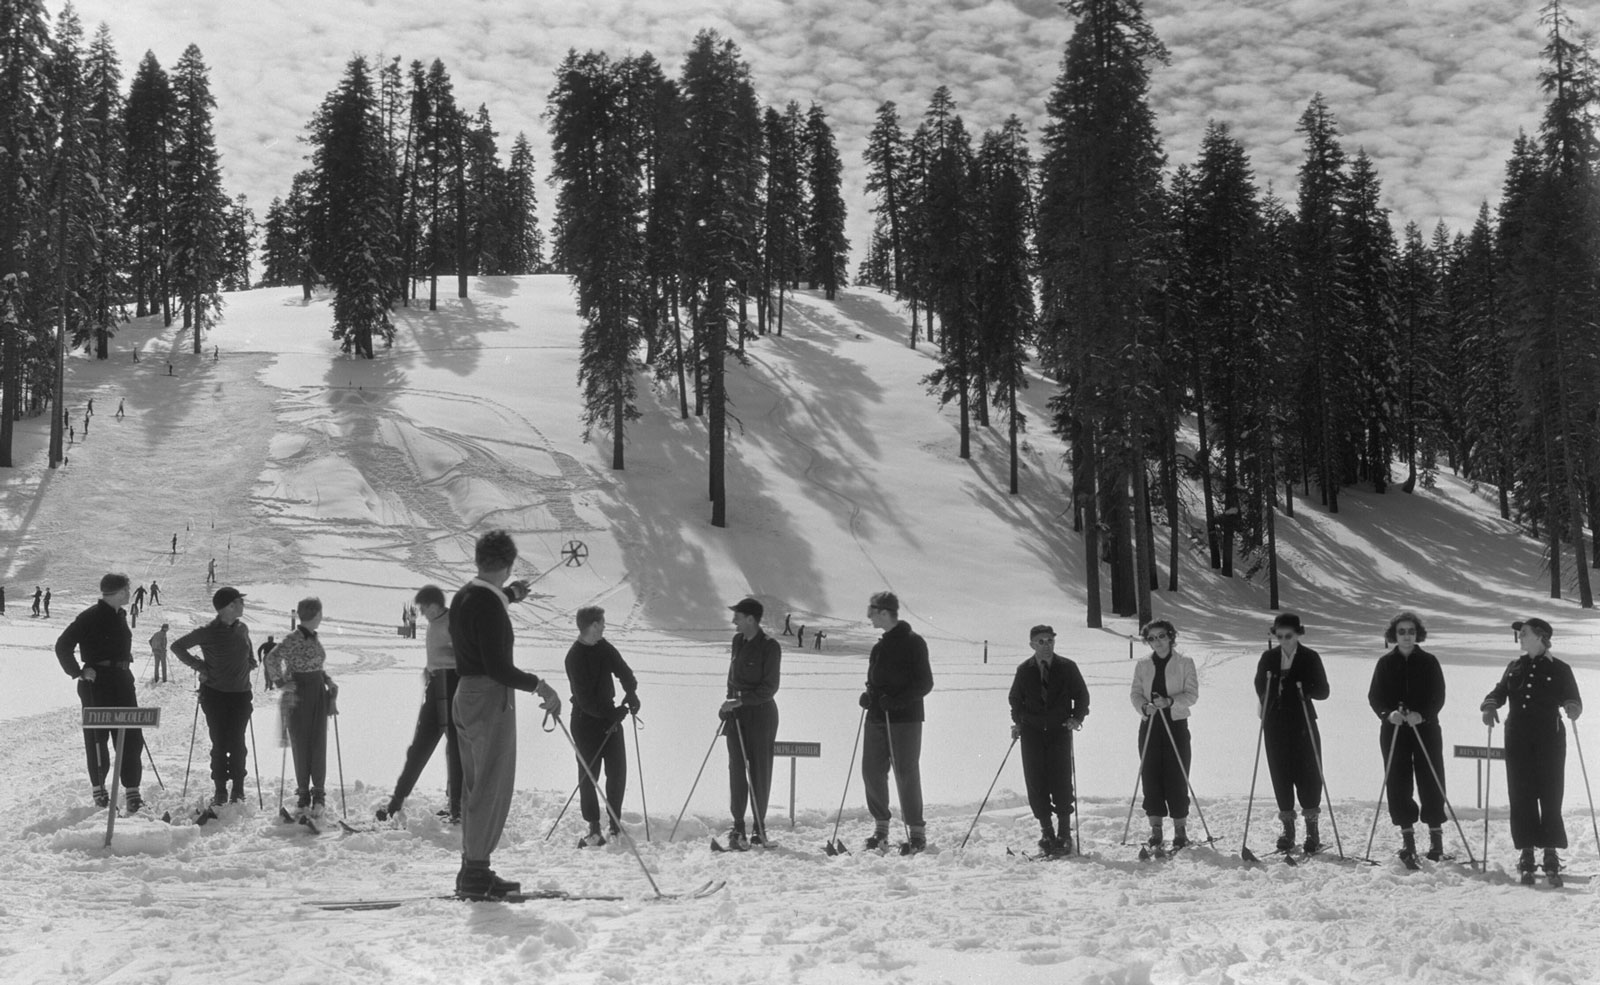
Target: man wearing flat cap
[1537,687]
[750,721]
[1049,701]
[224,665]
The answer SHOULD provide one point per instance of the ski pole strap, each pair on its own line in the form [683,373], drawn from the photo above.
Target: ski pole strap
[545,725]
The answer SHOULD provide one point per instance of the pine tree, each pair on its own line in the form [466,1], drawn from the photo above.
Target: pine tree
[1368,246]
[24,42]
[949,228]
[721,219]
[787,205]
[238,244]
[349,211]
[599,160]
[104,278]
[149,133]
[825,239]
[526,246]
[886,177]
[1006,316]
[1101,229]
[199,207]
[1419,351]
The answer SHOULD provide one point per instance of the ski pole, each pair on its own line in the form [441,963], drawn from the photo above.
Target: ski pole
[1488,745]
[1586,788]
[1185,771]
[1144,750]
[339,758]
[835,846]
[596,758]
[626,837]
[985,802]
[1244,843]
[757,817]
[151,757]
[283,769]
[1077,818]
[720,726]
[261,801]
[638,761]
[1388,763]
[1316,752]
[193,728]
[1439,782]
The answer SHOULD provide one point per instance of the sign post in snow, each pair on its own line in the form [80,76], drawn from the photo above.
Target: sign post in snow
[794,750]
[1482,754]
[118,721]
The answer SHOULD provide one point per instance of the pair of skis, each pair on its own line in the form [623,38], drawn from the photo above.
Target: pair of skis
[708,888]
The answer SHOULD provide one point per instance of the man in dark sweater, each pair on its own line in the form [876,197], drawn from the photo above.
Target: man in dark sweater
[105,679]
[751,713]
[485,711]
[592,663]
[1049,701]
[224,666]
[899,676]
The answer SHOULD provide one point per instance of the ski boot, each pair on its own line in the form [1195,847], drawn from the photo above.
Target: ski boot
[1408,848]
[1552,868]
[1526,867]
[1435,845]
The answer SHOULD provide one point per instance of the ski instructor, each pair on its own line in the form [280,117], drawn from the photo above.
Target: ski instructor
[106,679]
[486,712]
[750,714]
[224,665]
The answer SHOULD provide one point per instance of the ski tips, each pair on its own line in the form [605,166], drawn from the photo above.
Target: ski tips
[835,847]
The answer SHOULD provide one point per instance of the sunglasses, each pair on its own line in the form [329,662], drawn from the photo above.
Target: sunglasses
[1286,636]
[1405,632]
[1156,637]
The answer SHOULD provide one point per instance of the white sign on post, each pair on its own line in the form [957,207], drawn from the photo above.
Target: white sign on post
[118,720]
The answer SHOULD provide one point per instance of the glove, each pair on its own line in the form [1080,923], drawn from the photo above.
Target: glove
[618,714]
[549,701]
[1148,709]
[518,590]
[333,702]
[631,700]
[1491,717]
[1396,717]
[865,700]
[1016,731]
[1161,702]
[1413,718]
[728,708]
[1573,709]
[1075,724]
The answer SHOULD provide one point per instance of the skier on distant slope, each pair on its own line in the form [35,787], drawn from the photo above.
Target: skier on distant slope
[750,710]
[1165,687]
[225,696]
[158,654]
[485,711]
[1537,687]
[899,677]
[1048,703]
[100,633]
[435,718]
[591,664]
[309,698]
[1288,678]
[1407,694]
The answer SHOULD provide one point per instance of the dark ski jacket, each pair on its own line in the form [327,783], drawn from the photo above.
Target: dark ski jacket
[103,636]
[1283,704]
[899,676]
[590,669]
[755,669]
[1415,681]
[1046,707]
[1535,688]
[481,634]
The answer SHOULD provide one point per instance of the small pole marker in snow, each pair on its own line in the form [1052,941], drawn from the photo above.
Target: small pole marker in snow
[118,720]
[795,750]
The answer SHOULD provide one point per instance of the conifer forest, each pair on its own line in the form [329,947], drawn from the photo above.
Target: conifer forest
[1214,349]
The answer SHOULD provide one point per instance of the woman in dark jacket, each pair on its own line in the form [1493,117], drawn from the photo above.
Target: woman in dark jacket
[1407,694]
[1288,678]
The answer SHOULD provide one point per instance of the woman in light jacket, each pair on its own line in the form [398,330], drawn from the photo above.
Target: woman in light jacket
[1165,687]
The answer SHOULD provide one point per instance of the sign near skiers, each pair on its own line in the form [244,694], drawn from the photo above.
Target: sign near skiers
[118,720]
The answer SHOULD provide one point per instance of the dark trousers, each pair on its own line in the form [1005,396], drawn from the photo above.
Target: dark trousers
[907,759]
[1047,772]
[1536,765]
[1292,751]
[112,688]
[307,724]
[602,748]
[1166,763]
[227,719]
[1408,766]
[434,719]
[758,726]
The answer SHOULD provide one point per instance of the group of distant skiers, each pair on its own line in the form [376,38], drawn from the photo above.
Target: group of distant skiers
[470,678]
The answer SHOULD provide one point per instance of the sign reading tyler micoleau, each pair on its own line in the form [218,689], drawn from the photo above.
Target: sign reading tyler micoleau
[121,717]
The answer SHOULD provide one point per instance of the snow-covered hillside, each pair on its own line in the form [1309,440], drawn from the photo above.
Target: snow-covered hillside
[303,472]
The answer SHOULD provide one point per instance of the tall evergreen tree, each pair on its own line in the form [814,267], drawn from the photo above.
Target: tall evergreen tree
[350,210]
[238,245]
[721,219]
[526,245]
[786,205]
[103,278]
[1006,315]
[826,243]
[150,120]
[886,178]
[949,228]
[1101,229]
[1367,242]
[199,207]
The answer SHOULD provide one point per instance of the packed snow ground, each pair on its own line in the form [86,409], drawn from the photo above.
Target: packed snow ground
[304,472]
